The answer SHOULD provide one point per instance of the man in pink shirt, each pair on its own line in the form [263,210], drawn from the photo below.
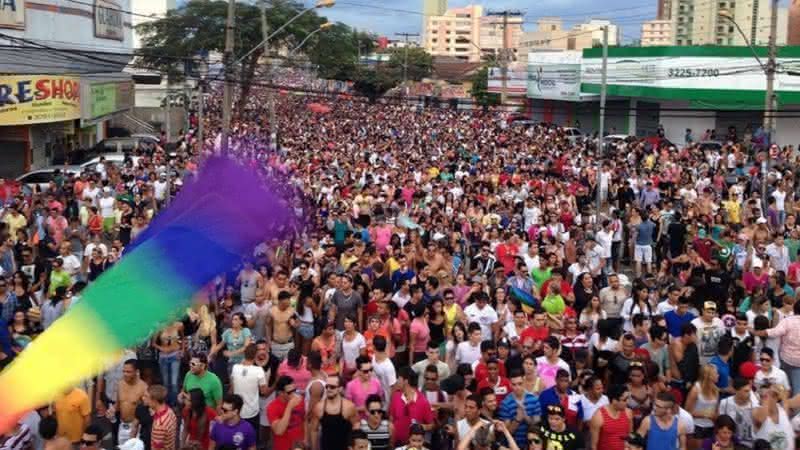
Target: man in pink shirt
[788,330]
[363,385]
[409,407]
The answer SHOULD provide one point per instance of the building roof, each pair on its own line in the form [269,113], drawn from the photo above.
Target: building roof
[453,69]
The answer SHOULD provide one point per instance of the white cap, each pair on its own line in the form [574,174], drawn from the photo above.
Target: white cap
[761,220]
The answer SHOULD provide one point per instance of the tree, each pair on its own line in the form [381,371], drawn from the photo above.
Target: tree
[480,88]
[199,25]
[420,62]
[375,82]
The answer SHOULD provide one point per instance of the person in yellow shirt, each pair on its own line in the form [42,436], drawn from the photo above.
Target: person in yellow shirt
[15,222]
[733,208]
[73,411]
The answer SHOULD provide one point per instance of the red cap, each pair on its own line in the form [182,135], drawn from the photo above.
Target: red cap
[748,370]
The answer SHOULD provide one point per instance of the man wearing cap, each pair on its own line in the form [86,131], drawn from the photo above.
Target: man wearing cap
[709,331]
[557,433]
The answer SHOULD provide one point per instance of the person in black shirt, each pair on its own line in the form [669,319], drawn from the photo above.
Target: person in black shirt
[144,420]
[557,431]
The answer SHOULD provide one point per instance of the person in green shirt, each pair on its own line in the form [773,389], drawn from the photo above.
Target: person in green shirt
[199,377]
[793,243]
[553,303]
[58,277]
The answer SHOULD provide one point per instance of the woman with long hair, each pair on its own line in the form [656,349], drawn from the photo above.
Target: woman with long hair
[235,339]
[457,335]
[638,303]
[418,334]
[21,287]
[308,307]
[200,329]
[21,331]
[592,315]
[437,323]
[702,403]
[641,399]
[197,421]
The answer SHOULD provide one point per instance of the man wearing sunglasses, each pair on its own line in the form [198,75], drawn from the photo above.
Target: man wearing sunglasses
[286,415]
[333,418]
[91,437]
[231,431]
[379,430]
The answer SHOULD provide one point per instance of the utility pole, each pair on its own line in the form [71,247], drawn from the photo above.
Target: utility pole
[405,58]
[504,62]
[273,128]
[770,103]
[168,115]
[227,96]
[601,144]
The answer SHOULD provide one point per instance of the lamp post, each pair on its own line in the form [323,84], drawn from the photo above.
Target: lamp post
[318,5]
[202,69]
[324,26]
[769,97]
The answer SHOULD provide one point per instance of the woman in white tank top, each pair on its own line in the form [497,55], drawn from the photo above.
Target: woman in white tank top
[771,420]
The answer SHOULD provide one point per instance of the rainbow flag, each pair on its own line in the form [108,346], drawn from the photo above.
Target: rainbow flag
[216,218]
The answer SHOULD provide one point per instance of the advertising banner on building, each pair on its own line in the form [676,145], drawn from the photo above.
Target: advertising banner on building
[30,99]
[517,82]
[698,74]
[102,98]
[555,75]
[12,14]
[108,23]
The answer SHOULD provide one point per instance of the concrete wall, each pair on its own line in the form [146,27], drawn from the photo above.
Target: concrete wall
[787,130]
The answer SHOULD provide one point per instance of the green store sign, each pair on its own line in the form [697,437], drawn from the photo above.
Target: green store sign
[104,99]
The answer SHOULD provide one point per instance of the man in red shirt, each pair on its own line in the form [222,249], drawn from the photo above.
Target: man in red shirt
[286,415]
[537,332]
[408,406]
[494,380]
[488,352]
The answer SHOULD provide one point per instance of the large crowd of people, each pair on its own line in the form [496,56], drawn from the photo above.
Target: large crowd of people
[454,286]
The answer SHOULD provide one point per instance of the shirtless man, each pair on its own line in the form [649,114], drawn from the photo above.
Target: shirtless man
[278,283]
[341,417]
[130,393]
[281,323]
[684,363]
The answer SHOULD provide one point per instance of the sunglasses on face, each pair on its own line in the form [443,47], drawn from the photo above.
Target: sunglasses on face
[366,370]
[376,412]
[227,410]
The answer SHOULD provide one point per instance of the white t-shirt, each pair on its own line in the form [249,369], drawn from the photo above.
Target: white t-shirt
[351,350]
[774,376]
[246,381]
[485,317]
[463,427]
[741,415]
[386,374]
[466,353]
[589,408]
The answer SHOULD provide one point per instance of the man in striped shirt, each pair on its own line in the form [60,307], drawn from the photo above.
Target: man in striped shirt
[165,424]
[521,410]
[20,438]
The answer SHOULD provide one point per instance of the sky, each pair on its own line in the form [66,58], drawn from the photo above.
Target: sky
[387,17]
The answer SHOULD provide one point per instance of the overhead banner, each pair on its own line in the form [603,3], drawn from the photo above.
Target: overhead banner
[691,72]
[108,23]
[30,99]
[517,82]
[12,14]
[103,98]
[554,81]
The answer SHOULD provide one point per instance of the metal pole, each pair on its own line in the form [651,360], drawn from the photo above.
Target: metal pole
[769,100]
[200,125]
[504,59]
[168,117]
[269,69]
[227,97]
[601,144]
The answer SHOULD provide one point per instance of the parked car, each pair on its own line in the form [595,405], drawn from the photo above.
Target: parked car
[710,145]
[118,159]
[40,178]
[573,134]
[125,144]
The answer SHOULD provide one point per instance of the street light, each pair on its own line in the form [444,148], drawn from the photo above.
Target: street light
[769,94]
[324,26]
[202,70]
[318,5]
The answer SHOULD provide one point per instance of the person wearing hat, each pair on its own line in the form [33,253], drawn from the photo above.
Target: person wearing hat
[557,432]
[709,331]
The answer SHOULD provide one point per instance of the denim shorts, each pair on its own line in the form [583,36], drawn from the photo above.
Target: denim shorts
[306,330]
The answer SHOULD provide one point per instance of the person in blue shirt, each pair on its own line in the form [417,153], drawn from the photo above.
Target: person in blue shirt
[404,273]
[561,394]
[676,318]
[722,362]
[521,410]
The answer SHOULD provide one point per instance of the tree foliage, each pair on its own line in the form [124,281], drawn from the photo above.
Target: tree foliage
[420,62]
[480,88]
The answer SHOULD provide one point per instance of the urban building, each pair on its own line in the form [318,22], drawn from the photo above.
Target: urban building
[434,7]
[656,32]
[456,33]
[699,22]
[497,29]
[664,10]
[76,96]
[550,34]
